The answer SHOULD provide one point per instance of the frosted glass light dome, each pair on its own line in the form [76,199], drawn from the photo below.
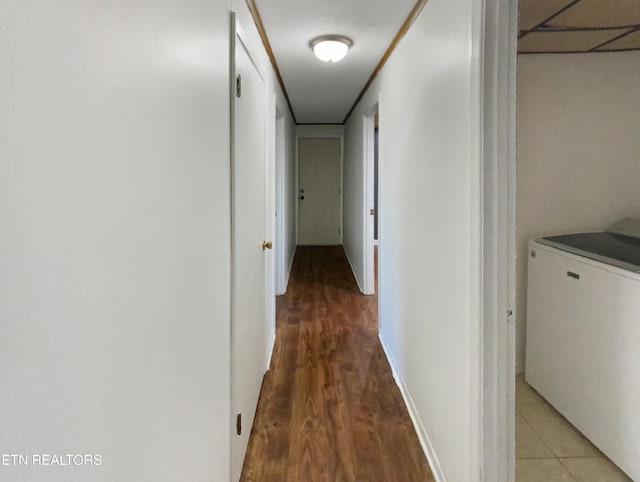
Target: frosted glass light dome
[331,48]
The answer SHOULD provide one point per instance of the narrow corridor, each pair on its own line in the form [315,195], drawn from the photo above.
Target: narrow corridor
[329,408]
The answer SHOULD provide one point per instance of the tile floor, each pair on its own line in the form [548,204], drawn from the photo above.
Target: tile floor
[550,449]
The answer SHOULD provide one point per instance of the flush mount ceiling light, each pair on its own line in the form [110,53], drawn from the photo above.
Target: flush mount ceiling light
[331,48]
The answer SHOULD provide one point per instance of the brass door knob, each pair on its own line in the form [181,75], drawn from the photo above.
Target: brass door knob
[267,245]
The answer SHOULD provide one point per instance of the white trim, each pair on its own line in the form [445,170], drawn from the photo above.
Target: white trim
[270,347]
[288,273]
[296,181]
[498,184]
[423,437]
[233,34]
[281,221]
[368,180]
[341,212]
[355,275]
[476,247]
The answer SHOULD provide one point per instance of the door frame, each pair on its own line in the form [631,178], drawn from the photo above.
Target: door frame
[369,287]
[281,200]
[495,181]
[320,135]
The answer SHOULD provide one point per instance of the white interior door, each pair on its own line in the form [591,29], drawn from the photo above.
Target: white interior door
[320,178]
[248,258]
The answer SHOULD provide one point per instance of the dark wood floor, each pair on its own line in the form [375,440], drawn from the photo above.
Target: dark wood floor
[330,410]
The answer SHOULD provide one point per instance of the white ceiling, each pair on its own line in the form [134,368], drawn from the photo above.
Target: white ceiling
[561,26]
[322,92]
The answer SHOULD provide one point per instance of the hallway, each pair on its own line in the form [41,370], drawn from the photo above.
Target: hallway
[329,408]
[152,199]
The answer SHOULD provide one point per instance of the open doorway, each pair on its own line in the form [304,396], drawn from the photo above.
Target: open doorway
[576,181]
[376,171]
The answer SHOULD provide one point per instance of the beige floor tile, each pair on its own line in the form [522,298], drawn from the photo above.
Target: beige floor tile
[541,470]
[594,470]
[524,392]
[529,445]
[556,432]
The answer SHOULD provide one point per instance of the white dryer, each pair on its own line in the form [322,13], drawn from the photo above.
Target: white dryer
[583,334]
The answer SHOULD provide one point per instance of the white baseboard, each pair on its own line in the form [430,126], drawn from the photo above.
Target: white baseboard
[270,347]
[425,442]
[282,290]
[288,272]
[355,275]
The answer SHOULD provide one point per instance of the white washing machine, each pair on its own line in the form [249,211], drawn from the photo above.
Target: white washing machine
[583,334]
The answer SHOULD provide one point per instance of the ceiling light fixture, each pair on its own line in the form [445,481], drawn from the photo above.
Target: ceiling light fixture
[331,48]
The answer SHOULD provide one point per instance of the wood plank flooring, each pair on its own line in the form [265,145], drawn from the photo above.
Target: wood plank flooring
[330,410]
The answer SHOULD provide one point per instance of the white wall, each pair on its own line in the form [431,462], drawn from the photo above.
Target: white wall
[355,205]
[429,208]
[319,130]
[114,238]
[287,198]
[291,197]
[578,149]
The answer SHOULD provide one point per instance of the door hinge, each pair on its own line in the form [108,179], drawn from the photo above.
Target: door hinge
[239,424]
[239,86]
